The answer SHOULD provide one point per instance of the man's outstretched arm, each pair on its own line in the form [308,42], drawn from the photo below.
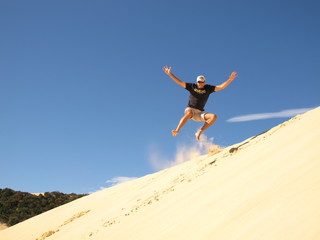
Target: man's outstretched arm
[167,70]
[226,83]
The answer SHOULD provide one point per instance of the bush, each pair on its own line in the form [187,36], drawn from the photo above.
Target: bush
[16,206]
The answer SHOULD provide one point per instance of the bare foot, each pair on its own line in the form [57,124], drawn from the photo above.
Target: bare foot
[174,132]
[198,134]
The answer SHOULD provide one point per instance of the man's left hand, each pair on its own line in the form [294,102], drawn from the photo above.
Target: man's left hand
[233,75]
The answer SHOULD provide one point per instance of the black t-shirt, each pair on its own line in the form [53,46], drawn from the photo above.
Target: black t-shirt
[199,96]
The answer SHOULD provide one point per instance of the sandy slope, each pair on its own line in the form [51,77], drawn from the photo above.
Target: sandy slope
[3,226]
[267,187]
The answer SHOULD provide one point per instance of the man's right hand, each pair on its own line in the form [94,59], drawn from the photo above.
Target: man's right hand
[167,70]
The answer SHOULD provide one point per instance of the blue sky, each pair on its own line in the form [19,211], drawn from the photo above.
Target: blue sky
[84,102]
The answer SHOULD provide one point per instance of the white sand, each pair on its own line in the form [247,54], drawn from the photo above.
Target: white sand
[3,226]
[267,187]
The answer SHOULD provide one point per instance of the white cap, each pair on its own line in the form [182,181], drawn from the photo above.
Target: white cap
[201,79]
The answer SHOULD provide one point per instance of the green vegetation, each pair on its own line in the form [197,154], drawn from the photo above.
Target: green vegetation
[16,206]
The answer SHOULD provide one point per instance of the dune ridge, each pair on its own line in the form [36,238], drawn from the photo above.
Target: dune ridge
[266,187]
[3,226]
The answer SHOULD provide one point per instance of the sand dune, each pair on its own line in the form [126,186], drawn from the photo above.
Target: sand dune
[2,226]
[266,187]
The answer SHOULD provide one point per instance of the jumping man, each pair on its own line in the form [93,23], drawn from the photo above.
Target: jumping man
[199,94]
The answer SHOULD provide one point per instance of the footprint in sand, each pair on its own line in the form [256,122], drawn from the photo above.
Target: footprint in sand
[51,232]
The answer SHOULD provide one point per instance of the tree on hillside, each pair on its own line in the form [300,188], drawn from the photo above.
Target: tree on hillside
[16,206]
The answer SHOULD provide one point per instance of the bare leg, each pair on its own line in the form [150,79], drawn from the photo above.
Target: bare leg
[210,119]
[182,122]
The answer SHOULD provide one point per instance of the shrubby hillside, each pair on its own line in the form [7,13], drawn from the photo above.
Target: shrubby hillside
[16,206]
